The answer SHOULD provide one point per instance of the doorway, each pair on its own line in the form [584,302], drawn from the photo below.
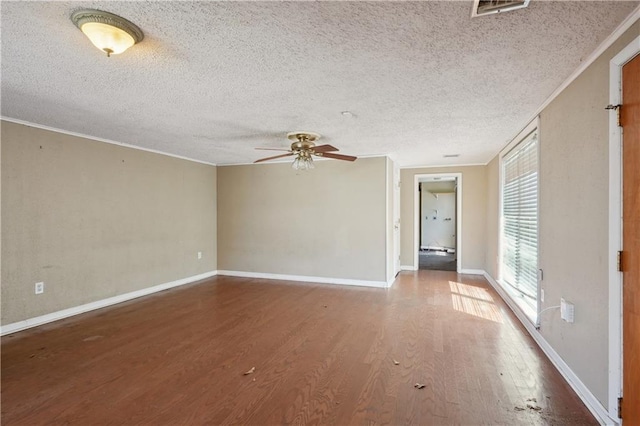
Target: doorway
[437,201]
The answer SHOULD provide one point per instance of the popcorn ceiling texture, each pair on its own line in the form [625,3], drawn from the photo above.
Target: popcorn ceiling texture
[213,80]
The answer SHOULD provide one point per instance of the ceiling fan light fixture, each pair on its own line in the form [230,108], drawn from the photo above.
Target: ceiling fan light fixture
[303,161]
[304,148]
[110,33]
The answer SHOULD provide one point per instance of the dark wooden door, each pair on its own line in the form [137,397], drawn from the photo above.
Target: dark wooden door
[630,121]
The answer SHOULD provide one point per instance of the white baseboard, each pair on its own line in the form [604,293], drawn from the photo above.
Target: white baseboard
[305,278]
[472,271]
[55,316]
[592,403]
[462,271]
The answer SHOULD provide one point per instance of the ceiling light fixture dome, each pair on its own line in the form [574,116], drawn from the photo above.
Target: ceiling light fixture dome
[108,32]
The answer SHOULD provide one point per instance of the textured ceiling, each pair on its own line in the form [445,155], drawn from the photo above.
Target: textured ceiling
[212,80]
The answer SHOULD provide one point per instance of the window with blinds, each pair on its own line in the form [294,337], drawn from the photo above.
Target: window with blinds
[519,268]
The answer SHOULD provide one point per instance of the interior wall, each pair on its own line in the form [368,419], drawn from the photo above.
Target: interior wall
[474,185]
[94,220]
[329,222]
[573,220]
[493,218]
[390,224]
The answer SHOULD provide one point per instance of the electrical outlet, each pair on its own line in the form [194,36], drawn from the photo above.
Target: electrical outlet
[567,311]
[39,288]
[199,255]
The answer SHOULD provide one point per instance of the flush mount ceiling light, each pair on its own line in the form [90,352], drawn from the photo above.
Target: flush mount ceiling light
[108,32]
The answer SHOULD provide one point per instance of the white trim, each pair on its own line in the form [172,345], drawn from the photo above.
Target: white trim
[592,403]
[97,139]
[434,166]
[472,272]
[416,215]
[615,224]
[615,35]
[388,249]
[65,313]
[408,268]
[397,225]
[305,278]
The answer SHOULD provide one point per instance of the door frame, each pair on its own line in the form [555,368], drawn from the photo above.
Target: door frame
[615,225]
[416,216]
[396,219]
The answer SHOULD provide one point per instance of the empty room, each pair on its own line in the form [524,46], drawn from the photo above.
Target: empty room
[339,212]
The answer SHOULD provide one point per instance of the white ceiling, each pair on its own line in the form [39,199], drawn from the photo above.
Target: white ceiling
[213,80]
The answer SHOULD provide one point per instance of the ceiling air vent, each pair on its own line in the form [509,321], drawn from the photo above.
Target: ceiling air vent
[488,7]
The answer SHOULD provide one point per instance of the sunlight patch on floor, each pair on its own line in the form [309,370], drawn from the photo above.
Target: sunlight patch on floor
[474,301]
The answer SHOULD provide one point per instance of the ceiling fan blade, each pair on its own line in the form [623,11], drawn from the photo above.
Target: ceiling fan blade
[324,148]
[274,157]
[273,149]
[338,156]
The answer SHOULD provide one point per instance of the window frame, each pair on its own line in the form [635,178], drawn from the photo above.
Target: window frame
[533,126]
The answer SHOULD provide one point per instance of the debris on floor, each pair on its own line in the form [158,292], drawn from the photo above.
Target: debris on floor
[519,408]
[396,362]
[419,386]
[532,400]
[250,371]
[534,407]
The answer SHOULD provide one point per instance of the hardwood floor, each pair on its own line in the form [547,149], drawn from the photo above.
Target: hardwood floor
[322,354]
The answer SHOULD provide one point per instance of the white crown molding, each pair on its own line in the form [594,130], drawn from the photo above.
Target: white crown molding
[443,166]
[305,278]
[76,310]
[97,139]
[592,403]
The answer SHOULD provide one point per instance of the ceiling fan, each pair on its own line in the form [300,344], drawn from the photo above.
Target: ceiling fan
[304,148]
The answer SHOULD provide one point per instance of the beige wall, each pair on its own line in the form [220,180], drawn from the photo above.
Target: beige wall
[474,209]
[573,219]
[330,222]
[389,243]
[493,218]
[574,195]
[94,220]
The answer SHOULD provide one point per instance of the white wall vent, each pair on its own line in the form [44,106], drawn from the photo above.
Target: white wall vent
[488,7]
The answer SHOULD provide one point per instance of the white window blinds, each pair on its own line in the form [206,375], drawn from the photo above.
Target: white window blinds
[520,218]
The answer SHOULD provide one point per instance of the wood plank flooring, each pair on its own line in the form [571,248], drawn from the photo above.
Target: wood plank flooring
[323,354]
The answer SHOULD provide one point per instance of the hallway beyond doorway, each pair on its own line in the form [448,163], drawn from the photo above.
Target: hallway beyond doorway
[437,260]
